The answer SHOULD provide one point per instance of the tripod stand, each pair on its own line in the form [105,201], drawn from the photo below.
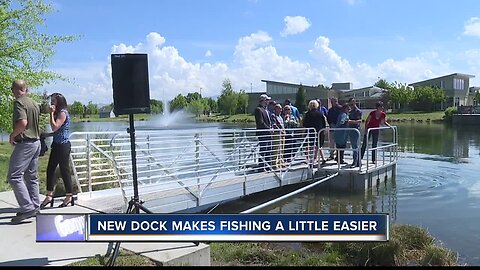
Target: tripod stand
[135,204]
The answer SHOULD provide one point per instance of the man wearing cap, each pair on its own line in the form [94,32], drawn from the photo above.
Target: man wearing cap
[295,111]
[264,132]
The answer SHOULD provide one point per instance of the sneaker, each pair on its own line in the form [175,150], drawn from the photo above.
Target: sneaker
[323,162]
[25,215]
[343,162]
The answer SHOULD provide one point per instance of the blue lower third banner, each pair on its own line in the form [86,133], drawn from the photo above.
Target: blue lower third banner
[61,227]
[237,227]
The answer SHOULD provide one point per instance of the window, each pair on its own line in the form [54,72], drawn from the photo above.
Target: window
[458,84]
[457,101]
[441,84]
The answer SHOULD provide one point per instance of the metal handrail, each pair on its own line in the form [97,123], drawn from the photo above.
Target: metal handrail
[327,131]
[167,158]
[394,144]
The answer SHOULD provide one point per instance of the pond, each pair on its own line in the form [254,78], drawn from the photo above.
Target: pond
[437,185]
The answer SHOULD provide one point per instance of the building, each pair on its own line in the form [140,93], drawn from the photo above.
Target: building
[456,87]
[365,97]
[106,112]
[280,91]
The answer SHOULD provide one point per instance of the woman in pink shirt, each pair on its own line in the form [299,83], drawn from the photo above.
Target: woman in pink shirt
[374,120]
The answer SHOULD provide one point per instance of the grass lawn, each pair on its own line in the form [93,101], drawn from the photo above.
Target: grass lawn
[417,116]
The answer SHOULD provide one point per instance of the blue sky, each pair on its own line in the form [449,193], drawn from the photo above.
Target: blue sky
[195,44]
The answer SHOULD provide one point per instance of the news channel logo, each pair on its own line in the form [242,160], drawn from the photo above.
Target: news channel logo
[61,227]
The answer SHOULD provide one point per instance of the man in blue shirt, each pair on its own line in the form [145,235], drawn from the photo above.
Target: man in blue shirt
[355,117]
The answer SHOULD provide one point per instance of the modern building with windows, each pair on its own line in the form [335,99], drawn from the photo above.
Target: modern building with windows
[280,91]
[456,87]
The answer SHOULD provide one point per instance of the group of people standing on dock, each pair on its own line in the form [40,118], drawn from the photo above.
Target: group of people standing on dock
[278,143]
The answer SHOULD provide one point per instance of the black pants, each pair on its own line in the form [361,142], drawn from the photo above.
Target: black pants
[59,156]
[374,134]
[265,142]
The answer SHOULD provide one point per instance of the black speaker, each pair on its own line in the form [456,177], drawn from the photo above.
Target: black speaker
[131,93]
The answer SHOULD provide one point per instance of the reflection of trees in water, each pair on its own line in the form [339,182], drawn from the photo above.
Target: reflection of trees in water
[438,139]
[381,199]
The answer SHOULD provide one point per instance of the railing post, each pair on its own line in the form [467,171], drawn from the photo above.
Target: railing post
[197,164]
[148,160]
[89,164]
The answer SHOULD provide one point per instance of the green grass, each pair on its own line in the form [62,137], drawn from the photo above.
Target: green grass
[408,245]
[392,117]
[120,118]
[433,116]
[125,258]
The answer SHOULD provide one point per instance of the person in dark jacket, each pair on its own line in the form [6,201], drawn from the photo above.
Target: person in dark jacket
[264,132]
[332,117]
[314,118]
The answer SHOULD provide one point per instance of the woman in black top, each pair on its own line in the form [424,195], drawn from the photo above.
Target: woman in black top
[315,119]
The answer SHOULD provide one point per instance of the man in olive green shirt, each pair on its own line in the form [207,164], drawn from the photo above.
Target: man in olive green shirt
[22,170]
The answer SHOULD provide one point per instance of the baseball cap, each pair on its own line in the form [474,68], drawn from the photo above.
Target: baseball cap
[264,97]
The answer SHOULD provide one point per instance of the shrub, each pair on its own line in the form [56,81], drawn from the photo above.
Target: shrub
[449,112]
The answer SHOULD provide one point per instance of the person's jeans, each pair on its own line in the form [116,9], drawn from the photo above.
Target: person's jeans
[265,142]
[353,137]
[374,134]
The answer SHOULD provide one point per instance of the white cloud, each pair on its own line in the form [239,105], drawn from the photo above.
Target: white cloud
[294,25]
[472,27]
[208,53]
[255,59]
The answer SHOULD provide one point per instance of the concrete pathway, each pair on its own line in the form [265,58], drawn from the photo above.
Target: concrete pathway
[19,248]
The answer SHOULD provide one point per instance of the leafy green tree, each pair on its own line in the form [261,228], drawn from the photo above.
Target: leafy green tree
[212,105]
[193,96]
[196,106]
[156,106]
[25,50]
[178,103]
[76,108]
[92,109]
[301,100]
[242,102]
[384,84]
[228,100]
[477,97]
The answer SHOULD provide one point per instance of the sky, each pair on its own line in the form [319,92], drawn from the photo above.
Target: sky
[194,45]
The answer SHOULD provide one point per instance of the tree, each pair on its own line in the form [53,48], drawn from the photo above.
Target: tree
[193,96]
[242,102]
[76,108]
[227,102]
[178,103]
[196,106]
[477,97]
[25,51]
[156,106]
[301,100]
[92,109]
[212,105]
[384,84]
